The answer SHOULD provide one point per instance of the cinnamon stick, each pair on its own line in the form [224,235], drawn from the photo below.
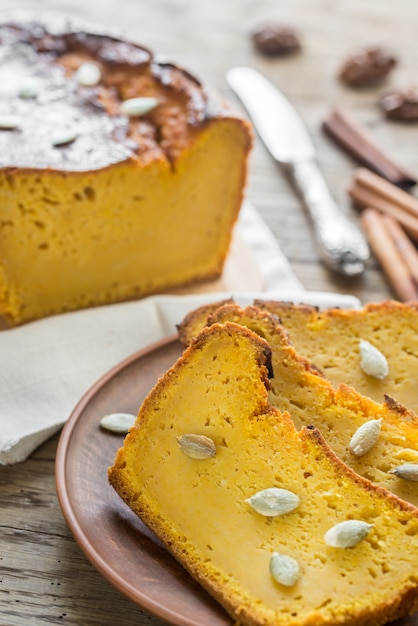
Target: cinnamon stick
[349,134]
[387,190]
[403,244]
[379,236]
[363,198]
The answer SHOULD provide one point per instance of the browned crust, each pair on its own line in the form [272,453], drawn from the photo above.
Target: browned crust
[393,306]
[273,305]
[197,319]
[404,412]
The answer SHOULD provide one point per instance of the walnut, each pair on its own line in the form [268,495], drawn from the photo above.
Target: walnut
[276,39]
[367,67]
[400,105]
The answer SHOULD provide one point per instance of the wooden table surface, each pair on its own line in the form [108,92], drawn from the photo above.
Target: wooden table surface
[44,576]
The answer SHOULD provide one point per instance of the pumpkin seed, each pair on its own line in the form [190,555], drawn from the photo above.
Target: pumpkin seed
[407,471]
[347,534]
[372,361]
[365,437]
[284,569]
[88,75]
[118,422]
[64,137]
[197,446]
[9,122]
[28,89]
[273,501]
[138,106]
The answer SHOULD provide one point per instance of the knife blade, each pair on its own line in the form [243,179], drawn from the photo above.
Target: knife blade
[341,244]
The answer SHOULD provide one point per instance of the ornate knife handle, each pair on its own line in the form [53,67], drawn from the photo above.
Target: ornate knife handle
[341,244]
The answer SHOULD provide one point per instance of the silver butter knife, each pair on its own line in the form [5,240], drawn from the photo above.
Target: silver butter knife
[341,244]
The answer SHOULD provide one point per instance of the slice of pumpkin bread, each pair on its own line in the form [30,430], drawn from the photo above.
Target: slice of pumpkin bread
[331,340]
[252,507]
[297,387]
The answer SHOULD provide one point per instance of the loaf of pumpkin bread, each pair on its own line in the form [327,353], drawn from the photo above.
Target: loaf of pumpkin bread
[270,522]
[120,174]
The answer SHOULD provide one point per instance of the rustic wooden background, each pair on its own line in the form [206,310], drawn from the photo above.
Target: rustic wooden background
[44,577]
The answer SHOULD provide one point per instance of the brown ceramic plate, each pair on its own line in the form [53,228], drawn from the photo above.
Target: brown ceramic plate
[112,537]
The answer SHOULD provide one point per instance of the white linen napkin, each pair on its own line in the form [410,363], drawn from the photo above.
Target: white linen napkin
[47,366]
